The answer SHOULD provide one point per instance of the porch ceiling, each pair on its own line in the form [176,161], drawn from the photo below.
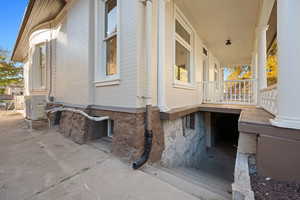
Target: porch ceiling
[219,20]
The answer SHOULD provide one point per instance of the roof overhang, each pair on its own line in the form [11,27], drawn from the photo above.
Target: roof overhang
[37,13]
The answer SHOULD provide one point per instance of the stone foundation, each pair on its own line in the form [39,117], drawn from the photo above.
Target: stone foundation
[74,126]
[128,135]
[183,147]
[129,129]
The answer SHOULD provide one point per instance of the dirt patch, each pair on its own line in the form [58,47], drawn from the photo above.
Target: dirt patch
[266,188]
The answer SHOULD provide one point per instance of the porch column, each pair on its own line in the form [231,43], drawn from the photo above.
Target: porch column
[288,36]
[262,56]
[161,97]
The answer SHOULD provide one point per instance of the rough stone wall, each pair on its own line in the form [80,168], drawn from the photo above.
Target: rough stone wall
[129,128]
[74,126]
[128,136]
[183,149]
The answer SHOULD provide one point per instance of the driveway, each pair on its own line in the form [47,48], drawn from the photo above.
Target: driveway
[43,165]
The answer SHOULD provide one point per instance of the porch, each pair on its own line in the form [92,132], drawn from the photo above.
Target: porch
[198,53]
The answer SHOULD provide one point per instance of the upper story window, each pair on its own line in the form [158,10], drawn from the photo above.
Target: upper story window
[111,37]
[183,51]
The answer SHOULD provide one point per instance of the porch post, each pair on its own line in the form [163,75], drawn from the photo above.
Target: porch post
[288,36]
[161,97]
[262,60]
[262,56]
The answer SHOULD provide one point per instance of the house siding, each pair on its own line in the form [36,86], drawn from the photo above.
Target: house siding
[180,97]
[126,93]
[72,56]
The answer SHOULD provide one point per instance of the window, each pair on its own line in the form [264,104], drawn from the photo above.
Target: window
[183,51]
[216,72]
[39,67]
[188,123]
[111,37]
[42,64]
[110,128]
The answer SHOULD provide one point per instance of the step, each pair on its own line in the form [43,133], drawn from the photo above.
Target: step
[187,184]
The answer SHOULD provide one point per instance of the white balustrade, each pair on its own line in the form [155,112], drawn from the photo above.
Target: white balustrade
[229,92]
[269,99]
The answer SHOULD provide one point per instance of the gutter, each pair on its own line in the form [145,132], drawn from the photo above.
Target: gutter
[23,25]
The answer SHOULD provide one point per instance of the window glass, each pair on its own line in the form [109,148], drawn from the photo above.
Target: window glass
[110,17]
[182,32]
[182,63]
[111,56]
[40,67]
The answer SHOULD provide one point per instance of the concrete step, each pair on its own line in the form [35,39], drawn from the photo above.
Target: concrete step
[188,184]
[202,177]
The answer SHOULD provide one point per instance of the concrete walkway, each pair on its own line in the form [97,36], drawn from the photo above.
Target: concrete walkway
[43,165]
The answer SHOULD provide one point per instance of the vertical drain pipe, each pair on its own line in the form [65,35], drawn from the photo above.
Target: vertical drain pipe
[148,131]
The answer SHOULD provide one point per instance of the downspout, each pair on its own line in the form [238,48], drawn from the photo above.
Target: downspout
[148,129]
[50,99]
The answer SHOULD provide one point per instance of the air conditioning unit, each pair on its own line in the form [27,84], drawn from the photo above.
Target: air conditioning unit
[35,107]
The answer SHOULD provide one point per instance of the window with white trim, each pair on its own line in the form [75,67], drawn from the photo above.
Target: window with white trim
[110,37]
[183,51]
[39,67]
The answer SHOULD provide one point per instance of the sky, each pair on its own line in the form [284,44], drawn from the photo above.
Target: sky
[11,15]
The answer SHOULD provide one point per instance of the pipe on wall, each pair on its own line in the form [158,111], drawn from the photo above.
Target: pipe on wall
[148,131]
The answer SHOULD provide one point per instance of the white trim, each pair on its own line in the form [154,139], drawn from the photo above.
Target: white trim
[107,82]
[161,55]
[286,122]
[182,85]
[179,16]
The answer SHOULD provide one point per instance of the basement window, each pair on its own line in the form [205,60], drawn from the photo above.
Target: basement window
[110,128]
[189,121]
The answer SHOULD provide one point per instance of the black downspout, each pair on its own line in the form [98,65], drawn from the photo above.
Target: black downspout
[147,149]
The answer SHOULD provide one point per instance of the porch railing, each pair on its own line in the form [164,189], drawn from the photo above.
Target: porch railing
[269,99]
[229,92]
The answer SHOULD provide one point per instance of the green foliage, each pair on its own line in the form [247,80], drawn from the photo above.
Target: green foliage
[10,73]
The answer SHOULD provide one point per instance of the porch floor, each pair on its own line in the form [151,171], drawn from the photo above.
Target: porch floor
[216,108]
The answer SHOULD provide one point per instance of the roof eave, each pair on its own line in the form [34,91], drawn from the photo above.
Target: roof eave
[22,27]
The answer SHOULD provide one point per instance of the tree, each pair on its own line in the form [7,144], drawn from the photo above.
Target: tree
[10,72]
[272,65]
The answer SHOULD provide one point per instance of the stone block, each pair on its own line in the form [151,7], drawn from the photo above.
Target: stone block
[247,143]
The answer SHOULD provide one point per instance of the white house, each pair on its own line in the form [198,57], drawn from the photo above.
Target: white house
[123,58]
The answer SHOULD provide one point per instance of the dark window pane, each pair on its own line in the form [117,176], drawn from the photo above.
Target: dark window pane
[111,56]
[182,32]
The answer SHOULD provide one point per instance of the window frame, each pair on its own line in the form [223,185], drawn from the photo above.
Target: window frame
[182,20]
[37,63]
[100,76]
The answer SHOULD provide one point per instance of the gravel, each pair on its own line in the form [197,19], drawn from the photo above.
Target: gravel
[266,188]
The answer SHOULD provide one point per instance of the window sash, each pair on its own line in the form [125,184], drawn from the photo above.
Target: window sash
[107,18]
[186,44]
[109,71]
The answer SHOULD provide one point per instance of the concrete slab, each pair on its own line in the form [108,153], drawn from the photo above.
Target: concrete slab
[43,165]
